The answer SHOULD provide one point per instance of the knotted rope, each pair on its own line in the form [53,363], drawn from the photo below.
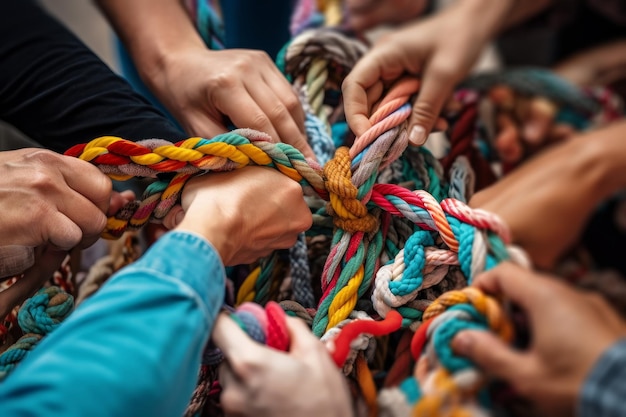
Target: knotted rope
[38,316]
[383,203]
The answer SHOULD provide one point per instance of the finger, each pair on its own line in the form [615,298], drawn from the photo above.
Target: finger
[119,200]
[541,114]
[524,288]
[281,88]
[281,118]
[365,74]
[490,353]
[375,96]
[85,215]
[233,397]
[508,143]
[87,180]
[62,232]
[230,339]
[245,112]
[174,217]
[436,89]
[302,340]
[206,125]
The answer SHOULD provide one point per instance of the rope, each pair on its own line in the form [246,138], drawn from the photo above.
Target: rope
[38,316]
[400,244]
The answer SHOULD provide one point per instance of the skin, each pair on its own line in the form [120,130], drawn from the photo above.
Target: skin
[51,199]
[260,381]
[204,89]
[547,201]
[218,205]
[214,206]
[423,49]
[51,204]
[570,331]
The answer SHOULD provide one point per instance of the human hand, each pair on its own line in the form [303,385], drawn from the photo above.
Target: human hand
[598,66]
[570,331]
[366,14]
[245,214]
[259,381]
[206,89]
[524,125]
[547,201]
[423,49]
[48,198]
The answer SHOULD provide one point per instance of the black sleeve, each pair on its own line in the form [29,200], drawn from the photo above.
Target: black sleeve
[58,92]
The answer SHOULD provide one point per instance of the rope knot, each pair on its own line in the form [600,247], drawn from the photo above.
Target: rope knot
[348,212]
[43,312]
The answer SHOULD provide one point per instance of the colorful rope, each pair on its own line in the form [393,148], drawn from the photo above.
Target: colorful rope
[390,221]
[38,316]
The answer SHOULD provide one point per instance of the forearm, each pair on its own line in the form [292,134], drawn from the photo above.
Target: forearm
[153,31]
[54,89]
[494,16]
[137,342]
[607,152]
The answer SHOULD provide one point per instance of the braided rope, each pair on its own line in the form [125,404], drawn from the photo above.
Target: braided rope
[391,206]
[38,316]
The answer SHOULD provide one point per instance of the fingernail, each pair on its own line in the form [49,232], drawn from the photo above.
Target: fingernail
[417,136]
[462,343]
[179,217]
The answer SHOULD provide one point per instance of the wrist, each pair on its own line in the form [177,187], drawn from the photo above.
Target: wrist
[161,65]
[217,235]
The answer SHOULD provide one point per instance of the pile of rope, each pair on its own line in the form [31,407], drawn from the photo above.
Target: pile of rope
[402,235]
[382,276]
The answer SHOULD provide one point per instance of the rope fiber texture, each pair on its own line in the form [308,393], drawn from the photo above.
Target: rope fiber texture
[394,246]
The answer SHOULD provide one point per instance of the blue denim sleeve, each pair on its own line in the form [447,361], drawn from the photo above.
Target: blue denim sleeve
[604,391]
[133,348]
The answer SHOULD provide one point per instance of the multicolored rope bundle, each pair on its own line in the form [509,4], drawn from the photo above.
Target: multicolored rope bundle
[399,246]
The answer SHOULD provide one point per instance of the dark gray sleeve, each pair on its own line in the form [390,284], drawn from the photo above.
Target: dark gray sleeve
[58,92]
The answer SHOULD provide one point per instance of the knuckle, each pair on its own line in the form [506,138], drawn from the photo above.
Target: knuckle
[244,367]
[222,80]
[280,112]
[425,110]
[257,55]
[40,179]
[292,103]
[43,156]
[260,120]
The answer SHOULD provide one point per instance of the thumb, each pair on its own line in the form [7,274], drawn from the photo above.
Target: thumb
[231,339]
[489,353]
[301,338]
